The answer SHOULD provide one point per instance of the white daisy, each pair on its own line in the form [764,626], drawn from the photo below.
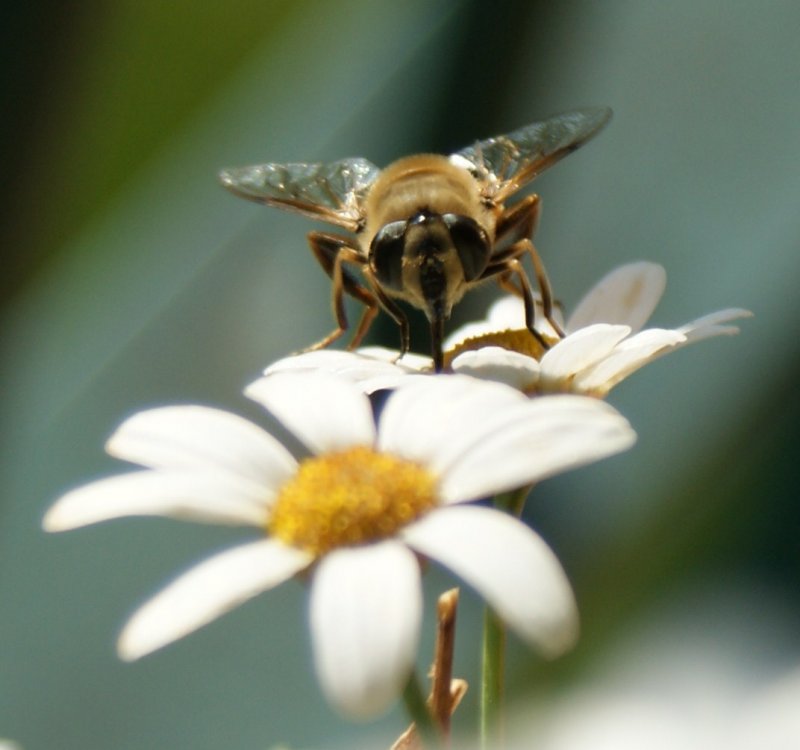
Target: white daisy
[358,512]
[604,344]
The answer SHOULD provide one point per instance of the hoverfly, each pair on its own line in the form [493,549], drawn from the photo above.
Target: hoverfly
[428,227]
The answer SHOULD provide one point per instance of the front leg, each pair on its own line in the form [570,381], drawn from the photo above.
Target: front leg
[392,309]
[517,224]
[504,269]
[333,251]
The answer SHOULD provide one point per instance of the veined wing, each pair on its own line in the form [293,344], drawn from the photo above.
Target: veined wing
[507,162]
[331,192]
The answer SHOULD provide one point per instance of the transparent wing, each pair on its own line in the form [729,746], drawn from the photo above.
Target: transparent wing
[331,192]
[507,162]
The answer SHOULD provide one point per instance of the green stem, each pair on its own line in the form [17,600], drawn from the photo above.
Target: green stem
[417,708]
[512,502]
[494,640]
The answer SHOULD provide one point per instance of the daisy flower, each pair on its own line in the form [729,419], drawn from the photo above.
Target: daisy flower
[605,343]
[606,340]
[357,514]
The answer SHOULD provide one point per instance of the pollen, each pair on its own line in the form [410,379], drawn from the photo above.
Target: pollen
[520,340]
[349,498]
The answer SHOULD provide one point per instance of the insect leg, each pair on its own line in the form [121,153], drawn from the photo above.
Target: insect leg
[504,269]
[333,251]
[392,309]
[517,224]
[544,286]
[506,284]
[518,221]
[512,266]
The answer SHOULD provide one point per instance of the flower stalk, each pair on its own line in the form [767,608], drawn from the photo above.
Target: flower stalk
[493,652]
[492,680]
[513,502]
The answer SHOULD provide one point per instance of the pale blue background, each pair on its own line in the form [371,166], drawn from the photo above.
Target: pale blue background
[134,280]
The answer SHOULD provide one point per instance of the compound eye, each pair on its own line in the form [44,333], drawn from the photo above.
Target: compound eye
[386,255]
[471,243]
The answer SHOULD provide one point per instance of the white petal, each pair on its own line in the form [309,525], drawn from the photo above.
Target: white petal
[542,437]
[410,362]
[197,437]
[365,611]
[508,312]
[627,295]
[389,381]
[509,565]
[712,324]
[500,365]
[208,591]
[195,496]
[330,360]
[469,331]
[426,420]
[578,351]
[372,368]
[325,411]
[629,356]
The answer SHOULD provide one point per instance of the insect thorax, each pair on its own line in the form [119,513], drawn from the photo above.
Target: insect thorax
[425,183]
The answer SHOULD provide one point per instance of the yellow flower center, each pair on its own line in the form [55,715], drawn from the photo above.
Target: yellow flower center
[520,340]
[350,497]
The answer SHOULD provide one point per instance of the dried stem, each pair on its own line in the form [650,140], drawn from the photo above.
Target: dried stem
[446,693]
[442,669]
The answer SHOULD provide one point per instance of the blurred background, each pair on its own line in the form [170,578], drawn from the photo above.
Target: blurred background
[131,279]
